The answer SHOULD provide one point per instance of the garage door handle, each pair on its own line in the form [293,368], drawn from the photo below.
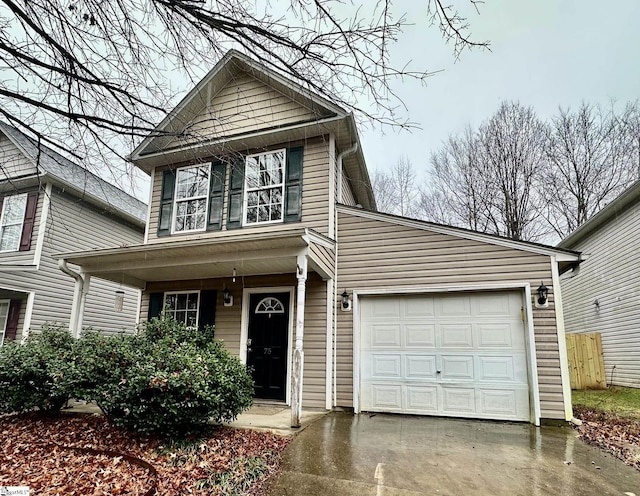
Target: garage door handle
[438,371]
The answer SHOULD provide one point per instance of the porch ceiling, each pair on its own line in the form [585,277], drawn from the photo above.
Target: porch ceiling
[171,260]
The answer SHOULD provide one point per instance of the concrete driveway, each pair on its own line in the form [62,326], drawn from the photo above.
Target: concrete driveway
[394,455]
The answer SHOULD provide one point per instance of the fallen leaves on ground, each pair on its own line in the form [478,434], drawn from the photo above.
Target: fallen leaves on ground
[617,435]
[50,455]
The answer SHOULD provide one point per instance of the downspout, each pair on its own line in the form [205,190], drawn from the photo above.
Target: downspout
[75,320]
[341,155]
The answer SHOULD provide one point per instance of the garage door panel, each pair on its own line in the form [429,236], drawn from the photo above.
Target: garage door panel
[457,367]
[386,308]
[420,335]
[420,367]
[496,369]
[454,306]
[503,403]
[492,305]
[386,366]
[422,399]
[386,397]
[385,336]
[460,355]
[456,335]
[419,306]
[497,336]
[457,400]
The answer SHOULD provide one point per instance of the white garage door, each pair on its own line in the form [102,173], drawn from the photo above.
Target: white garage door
[460,354]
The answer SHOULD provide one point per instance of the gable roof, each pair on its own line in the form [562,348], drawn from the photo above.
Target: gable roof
[619,205]
[565,257]
[172,143]
[82,182]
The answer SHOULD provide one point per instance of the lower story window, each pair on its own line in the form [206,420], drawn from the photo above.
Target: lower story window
[4,314]
[183,307]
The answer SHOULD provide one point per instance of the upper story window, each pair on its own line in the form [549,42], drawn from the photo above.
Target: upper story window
[256,189]
[11,221]
[192,189]
[264,187]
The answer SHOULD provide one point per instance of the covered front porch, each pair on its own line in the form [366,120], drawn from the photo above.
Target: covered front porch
[270,295]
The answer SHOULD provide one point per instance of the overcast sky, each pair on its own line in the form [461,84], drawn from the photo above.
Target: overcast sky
[544,53]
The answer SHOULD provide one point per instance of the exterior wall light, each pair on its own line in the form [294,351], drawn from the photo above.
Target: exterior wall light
[346,302]
[227,299]
[542,301]
[118,303]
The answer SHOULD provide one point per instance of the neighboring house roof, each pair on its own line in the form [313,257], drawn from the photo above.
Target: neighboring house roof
[72,176]
[567,257]
[172,142]
[623,202]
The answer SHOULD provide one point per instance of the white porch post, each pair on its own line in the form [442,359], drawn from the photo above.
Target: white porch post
[298,354]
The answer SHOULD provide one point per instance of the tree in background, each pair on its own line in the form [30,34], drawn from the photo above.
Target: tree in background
[589,163]
[522,178]
[486,180]
[92,77]
[458,191]
[396,190]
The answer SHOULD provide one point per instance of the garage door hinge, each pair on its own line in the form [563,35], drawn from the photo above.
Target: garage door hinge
[522,314]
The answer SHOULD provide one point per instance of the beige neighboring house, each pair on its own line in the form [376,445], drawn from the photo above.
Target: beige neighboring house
[604,294]
[49,204]
[262,220]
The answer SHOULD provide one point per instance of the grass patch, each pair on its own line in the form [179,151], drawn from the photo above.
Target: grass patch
[621,401]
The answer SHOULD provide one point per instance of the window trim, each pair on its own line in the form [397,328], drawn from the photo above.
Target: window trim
[176,200]
[171,293]
[4,206]
[3,328]
[245,200]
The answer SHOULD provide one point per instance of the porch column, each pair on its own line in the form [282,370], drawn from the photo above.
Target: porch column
[298,353]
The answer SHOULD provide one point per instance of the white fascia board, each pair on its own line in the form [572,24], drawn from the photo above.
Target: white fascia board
[452,231]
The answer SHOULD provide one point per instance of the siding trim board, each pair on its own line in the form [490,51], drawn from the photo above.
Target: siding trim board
[524,287]
[562,340]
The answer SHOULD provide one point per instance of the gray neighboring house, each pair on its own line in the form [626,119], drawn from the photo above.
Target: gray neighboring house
[604,296]
[49,204]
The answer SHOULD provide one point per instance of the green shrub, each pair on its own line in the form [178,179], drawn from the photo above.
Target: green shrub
[167,379]
[29,373]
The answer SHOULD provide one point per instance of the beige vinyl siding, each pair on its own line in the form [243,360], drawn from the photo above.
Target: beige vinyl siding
[611,275]
[25,257]
[242,106]
[315,194]
[378,254]
[348,198]
[228,321]
[13,162]
[73,225]
[324,257]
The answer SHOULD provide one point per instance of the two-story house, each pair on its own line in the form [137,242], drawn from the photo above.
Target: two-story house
[262,220]
[49,204]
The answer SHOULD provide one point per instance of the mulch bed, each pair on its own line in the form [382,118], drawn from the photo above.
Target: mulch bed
[617,435]
[85,455]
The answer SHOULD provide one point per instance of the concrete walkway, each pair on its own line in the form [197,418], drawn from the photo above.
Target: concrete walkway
[393,455]
[265,417]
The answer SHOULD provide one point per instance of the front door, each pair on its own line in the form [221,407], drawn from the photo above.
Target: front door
[267,343]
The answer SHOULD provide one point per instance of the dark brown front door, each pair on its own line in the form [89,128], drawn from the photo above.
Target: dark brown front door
[267,342]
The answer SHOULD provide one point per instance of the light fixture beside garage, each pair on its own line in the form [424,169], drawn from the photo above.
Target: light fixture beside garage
[346,301]
[542,301]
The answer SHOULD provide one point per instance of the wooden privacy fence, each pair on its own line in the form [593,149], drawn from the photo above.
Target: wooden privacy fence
[586,365]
